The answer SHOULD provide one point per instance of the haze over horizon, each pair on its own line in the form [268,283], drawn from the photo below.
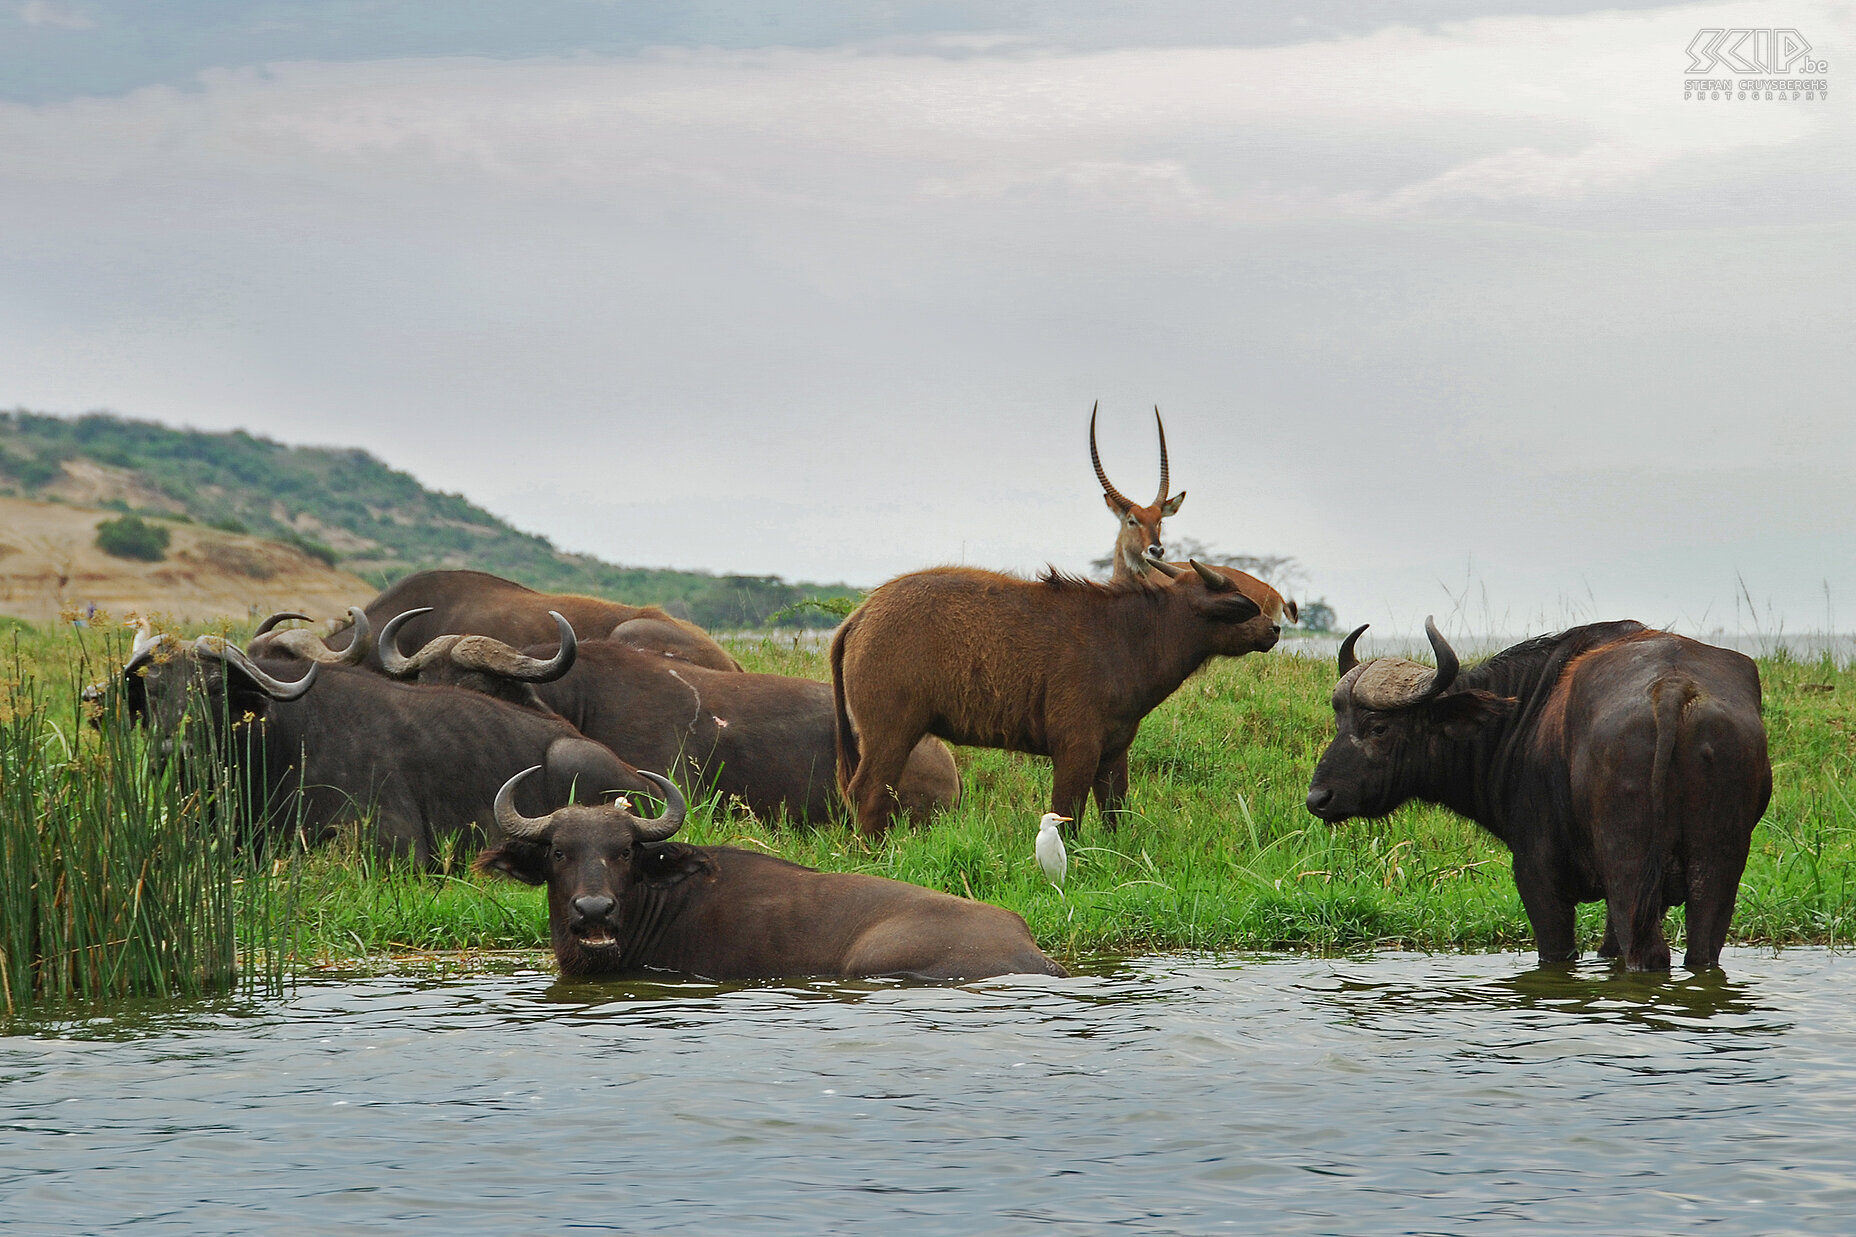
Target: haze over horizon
[1462,305]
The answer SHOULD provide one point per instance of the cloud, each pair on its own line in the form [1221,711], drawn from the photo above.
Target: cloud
[52,14]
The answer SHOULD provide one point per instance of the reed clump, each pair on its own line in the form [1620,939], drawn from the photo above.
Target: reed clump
[119,876]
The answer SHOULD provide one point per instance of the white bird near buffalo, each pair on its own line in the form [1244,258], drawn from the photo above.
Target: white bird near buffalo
[1051,856]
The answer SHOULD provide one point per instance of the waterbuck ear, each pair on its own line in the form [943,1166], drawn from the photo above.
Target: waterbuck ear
[670,863]
[1171,506]
[1462,714]
[517,859]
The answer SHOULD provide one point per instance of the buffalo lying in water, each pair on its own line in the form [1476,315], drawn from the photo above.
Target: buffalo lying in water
[1616,762]
[624,898]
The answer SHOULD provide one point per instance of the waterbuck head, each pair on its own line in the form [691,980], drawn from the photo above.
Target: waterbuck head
[478,663]
[595,861]
[1392,720]
[1137,545]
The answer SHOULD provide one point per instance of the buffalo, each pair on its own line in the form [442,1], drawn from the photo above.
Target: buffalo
[476,603]
[766,740]
[323,744]
[1057,667]
[1616,762]
[623,898]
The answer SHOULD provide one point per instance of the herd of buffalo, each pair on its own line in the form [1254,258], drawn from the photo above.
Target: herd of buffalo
[1617,763]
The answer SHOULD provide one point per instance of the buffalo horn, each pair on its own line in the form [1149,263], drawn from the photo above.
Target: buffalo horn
[492,655]
[280,617]
[1347,660]
[306,644]
[1096,459]
[275,688]
[390,659]
[1390,683]
[672,819]
[1162,425]
[1214,581]
[513,822]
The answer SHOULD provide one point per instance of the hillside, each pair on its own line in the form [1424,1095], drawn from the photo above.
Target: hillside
[345,508]
[50,565]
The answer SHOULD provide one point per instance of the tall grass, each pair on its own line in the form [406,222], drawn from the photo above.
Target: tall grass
[119,876]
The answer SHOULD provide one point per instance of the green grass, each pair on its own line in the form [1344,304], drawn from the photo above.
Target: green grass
[1219,853]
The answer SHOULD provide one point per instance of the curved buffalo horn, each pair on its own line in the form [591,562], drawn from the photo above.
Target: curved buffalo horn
[306,644]
[280,617]
[492,655]
[275,688]
[389,645]
[1214,581]
[672,819]
[1165,568]
[1162,425]
[513,822]
[1096,459]
[1390,683]
[1447,665]
[1347,660]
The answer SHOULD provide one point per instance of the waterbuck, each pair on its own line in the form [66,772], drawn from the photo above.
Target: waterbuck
[1057,667]
[1138,543]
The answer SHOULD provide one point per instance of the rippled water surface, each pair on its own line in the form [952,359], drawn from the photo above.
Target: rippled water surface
[1393,1093]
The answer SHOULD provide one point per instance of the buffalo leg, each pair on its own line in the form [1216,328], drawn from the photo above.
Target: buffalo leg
[1549,913]
[1712,887]
[879,768]
[1073,773]
[1111,787]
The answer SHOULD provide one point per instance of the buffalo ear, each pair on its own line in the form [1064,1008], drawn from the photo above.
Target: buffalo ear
[517,859]
[669,863]
[1462,714]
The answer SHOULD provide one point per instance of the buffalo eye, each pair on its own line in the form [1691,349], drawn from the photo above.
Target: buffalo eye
[1379,730]
[626,853]
[560,856]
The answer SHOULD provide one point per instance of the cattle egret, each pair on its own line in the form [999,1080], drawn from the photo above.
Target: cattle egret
[1050,848]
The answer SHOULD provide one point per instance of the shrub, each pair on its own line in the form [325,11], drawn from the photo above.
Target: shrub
[132,537]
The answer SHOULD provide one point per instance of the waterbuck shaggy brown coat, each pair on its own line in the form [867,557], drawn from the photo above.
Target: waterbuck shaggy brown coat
[1057,667]
[1616,762]
[624,898]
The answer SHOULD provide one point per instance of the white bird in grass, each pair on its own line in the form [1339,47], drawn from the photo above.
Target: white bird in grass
[1051,856]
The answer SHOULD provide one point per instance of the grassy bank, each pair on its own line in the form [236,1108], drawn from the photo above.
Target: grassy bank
[1220,855]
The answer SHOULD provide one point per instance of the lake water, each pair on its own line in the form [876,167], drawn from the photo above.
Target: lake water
[1387,1093]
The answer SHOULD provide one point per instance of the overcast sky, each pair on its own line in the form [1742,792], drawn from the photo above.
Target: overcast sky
[1466,308]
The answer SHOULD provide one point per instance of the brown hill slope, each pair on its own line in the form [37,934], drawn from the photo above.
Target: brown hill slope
[50,564]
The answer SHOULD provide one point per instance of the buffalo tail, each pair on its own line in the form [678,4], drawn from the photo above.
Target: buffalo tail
[848,754]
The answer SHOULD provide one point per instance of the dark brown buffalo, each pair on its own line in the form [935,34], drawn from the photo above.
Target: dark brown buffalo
[763,739]
[1616,762]
[623,898]
[328,744]
[476,603]
[1057,667]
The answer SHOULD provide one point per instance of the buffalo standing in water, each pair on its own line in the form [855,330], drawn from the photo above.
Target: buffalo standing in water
[1616,762]
[624,898]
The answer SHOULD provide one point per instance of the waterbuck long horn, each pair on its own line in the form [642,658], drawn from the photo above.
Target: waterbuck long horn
[513,822]
[275,688]
[1347,660]
[1162,425]
[1096,459]
[672,819]
[489,654]
[390,659]
[283,617]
